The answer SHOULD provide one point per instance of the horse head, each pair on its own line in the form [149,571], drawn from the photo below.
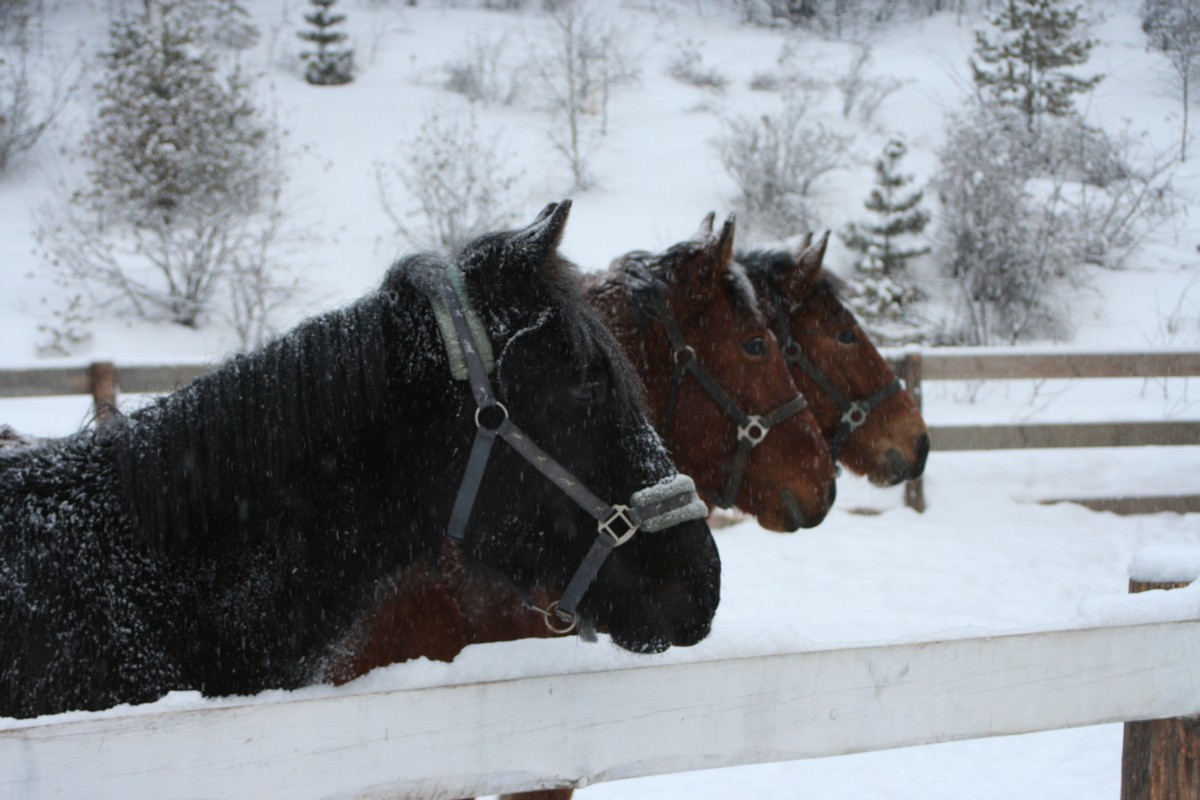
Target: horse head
[717,384]
[873,426]
[563,379]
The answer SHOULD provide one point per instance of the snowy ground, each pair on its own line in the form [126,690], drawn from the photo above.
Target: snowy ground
[984,558]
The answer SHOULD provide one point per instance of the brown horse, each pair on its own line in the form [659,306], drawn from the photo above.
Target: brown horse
[872,425]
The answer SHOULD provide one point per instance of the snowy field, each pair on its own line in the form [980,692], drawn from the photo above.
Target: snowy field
[985,558]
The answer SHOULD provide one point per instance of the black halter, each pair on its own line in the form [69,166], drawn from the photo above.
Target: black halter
[854,412]
[752,428]
[616,524]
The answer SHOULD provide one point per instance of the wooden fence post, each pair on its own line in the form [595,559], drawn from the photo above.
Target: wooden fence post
[1160,759]
[102,377]
[914,490]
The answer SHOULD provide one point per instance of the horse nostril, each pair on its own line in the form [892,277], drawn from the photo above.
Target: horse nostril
[923,448]
[832,494]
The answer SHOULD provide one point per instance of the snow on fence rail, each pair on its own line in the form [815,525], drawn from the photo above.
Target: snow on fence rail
[587,727]
[914,366]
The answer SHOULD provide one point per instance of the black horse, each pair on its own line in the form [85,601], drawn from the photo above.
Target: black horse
[225,538]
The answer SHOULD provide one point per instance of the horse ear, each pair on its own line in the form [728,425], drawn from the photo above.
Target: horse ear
[810,256]
[725,240]
[705,231]
[544,234]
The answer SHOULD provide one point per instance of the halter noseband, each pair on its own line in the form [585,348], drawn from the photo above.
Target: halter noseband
[854,412]
[752,428]
[654,508]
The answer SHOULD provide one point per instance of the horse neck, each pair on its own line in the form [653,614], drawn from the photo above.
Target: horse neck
[236,447]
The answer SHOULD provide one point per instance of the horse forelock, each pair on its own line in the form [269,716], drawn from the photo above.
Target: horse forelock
[558,286]
[647,277]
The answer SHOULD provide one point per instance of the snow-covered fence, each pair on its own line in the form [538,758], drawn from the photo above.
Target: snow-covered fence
[915,366]
[585,727]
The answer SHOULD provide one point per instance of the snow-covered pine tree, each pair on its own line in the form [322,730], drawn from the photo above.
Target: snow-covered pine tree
[182,201]
[328,65]
[886,244]
[173,139]
[887,241]
[1020,61]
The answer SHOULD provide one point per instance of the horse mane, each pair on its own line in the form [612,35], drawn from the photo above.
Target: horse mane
[272,416]
[644,277]
[765,267]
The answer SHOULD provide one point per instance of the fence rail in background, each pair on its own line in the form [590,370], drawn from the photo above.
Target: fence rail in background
[103,380]
[961,364]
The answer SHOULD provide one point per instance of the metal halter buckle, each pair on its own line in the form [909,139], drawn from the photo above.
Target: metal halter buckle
[855,415]
[631,527]
[499,405]
[684,355]
[754,430]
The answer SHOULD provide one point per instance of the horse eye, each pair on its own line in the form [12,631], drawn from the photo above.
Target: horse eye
[588,393]
[847,337]
[756,346]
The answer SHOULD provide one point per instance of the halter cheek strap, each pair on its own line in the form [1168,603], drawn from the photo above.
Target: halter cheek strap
[752,428]
[854,412]
[616,524]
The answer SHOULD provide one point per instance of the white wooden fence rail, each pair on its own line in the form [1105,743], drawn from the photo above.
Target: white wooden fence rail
[576,729]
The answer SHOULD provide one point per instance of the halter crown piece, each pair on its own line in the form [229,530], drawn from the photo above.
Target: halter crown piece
[654,508]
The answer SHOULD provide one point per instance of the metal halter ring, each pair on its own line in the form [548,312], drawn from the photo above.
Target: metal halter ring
[685,354]
[754,430]
[605,526]
[855,415]
[556,619]
[791,349]
[499,405]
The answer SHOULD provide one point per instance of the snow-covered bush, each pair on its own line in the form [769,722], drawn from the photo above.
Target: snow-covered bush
[460,179]
[687,66]
[776,160]
[1005,237]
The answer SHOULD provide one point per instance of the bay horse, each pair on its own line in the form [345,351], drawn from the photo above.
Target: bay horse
[873,426]
[224,538]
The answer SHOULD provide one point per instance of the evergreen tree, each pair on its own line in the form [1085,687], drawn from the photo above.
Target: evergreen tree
[1021,60]
[173,140]
[327,65]
[183,192]
[883,243]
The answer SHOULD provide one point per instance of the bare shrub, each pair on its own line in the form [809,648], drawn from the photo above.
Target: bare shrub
[577,66]
[459,178]
[27,110]
[482,74]
[687,66]
[776,160]
[862,91]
